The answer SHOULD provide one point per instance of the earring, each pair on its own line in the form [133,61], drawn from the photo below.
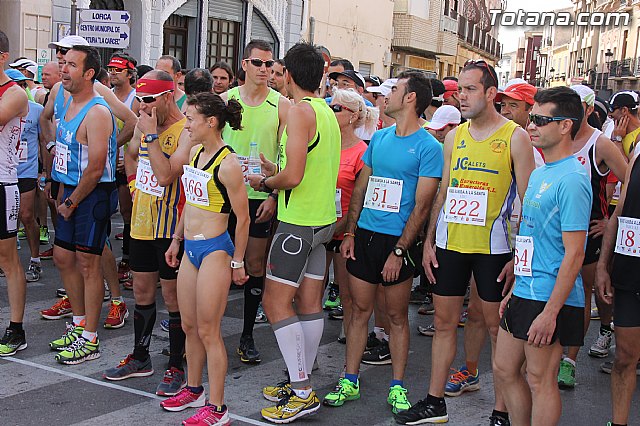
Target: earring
[350,120]
[209,125]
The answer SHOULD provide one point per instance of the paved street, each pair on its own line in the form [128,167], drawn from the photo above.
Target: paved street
[37,390]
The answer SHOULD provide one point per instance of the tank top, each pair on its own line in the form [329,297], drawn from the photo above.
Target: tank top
[156,217]
[9,143]
[629,141]
[129,103]
[587,157]
[259,124]
[312,202]
[481,165]
[622,273]
[77,153]
[216,192]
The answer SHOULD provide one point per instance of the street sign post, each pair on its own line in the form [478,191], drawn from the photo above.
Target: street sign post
[105,28]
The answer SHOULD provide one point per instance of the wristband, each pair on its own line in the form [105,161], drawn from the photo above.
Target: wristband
[177,237]
[274,196]
[348,234]
[50,145]
[131,178]
[263,185]
[236,265]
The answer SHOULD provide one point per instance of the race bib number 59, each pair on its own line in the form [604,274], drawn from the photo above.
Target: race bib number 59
[466,206]
[523,256]
[628,238]
[383,194]
[146,181]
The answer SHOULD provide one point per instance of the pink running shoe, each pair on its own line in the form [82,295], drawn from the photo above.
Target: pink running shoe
[183,400]
[208,416]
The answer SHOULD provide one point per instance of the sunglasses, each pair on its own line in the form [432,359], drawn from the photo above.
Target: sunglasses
[62,50]
[613,108]
[543,120]
[114,70]
[151,98]
[339,108]
[259,62]
[480,63]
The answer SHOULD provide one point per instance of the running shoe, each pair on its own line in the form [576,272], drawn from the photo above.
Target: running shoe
[164,325]
[427,307]
[600,348]
[61,309]
[124,271]
[429,330]
[128,284]
[80,351]
[422,412]
[208,416]
[277,392]
[183,400]
[119,236]
[372,341]
[291,407]
[261,317]
[22,234]
[567,375]
[337,314]
[499,421]
[345,390]
[333,297]
[47,254]
[71,334]
[247,350]
[129,367]
[61,292]
[44,235]
[595,315]
[118,312]
[380,355]
[462,381]
[173,380]
[463,318]
[398,399]
[34,272]
[12,342]
[607,366]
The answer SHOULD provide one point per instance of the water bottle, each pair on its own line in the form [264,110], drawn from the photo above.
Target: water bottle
[254,159]
[42,181]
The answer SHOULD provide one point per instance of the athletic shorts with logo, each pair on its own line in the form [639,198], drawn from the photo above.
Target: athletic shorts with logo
[10,209]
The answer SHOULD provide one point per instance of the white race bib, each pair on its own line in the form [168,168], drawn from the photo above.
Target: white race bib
[244,164]
[523,256]
[628,238]
[146,181]
[338,202]
[23,151]
[466,206]
[61,158]
[195,185]
[383,194]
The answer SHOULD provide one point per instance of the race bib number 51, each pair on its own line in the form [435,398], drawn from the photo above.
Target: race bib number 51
[628,238]
[466,206]
[195,185]
[523,256]
[146,181]
[383,194]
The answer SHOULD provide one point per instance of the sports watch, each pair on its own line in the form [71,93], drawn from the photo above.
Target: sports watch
[399,251]
[236,265]
[150,137]
[616,138]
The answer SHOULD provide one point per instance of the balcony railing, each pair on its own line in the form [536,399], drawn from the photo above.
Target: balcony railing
[628,67]
[472,35]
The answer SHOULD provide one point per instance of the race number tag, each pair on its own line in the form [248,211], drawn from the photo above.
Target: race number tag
[628,238]
[60,160]
[244,164]
[466,206]
[146,181]
[195,185]
[338,202]
[23,152]
[523,256]
[383,194]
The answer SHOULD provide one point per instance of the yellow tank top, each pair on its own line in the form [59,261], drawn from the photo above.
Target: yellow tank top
[629,141]
[216,191]
[156,217]
[484,165]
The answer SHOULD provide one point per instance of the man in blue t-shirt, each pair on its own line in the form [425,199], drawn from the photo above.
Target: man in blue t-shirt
[546,306]
[390,204]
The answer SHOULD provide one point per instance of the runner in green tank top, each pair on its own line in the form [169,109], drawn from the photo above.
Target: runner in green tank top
[263,118]
[309,161]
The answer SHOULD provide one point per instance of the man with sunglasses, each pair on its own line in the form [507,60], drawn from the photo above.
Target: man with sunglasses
[153,162]
[14,107]
[487,163]
[388,209]
[598,155]
[263,119]
[545,308]
[624,111]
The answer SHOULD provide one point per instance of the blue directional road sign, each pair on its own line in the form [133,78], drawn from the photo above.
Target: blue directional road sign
[105,28]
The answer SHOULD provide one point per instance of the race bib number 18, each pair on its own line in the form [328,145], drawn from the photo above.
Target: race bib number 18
[466,206]
[383,194]
[523,256]
[146,181]
[628,238]
[195,185]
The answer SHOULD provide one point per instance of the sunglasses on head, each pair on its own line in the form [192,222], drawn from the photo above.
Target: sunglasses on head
[259,62]
[480,63]
[339,108]
[151,98]
[543,120]
[62,50]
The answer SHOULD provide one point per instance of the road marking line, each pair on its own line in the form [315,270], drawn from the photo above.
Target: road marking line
[113,386]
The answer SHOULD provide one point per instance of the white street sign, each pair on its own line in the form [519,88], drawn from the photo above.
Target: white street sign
[106,16]
[115,36]
[44,56]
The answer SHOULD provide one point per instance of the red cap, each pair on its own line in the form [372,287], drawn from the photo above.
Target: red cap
[450,87]
[123,64]
[520,92]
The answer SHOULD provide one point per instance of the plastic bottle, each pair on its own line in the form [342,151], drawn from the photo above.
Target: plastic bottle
[254,159]
[42,181]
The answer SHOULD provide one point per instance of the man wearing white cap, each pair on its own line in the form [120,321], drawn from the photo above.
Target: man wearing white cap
[384,89]
[598,155]
[29,69]
[445,119]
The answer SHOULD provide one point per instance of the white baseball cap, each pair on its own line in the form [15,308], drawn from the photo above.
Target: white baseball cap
[26,64]
[68,42]
[384,88]
[446,114]
[586,93]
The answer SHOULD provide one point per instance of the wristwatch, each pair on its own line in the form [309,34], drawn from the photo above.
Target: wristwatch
[50,145]
[236,265]
[150,137]
[399,251]
[616,138]
[69,203]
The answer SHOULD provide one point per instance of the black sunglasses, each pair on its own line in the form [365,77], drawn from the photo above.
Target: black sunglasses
[62,50]
[480,63]
[339,108]
[259,62]
[151,98]
[543,120]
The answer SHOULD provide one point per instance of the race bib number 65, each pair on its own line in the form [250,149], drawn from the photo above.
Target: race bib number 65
[466,206]
[383,194]
[60,160]
[523,256]
[628,238]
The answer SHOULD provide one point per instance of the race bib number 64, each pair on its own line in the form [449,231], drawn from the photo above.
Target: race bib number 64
[383,194]
[628,238]
[523,256]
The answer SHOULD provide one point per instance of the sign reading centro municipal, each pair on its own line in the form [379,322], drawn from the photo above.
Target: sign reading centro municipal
[105,28]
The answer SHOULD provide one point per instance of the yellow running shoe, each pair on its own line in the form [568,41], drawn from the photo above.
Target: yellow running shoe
[277,392]
[291,407]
